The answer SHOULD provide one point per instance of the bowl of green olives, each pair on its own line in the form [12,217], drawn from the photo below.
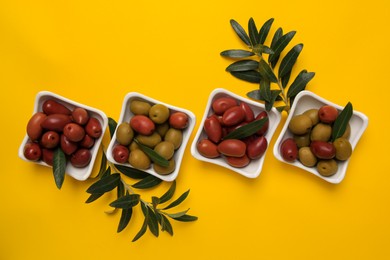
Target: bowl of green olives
[58,122]
[308,141]
[226,112]
[147,127]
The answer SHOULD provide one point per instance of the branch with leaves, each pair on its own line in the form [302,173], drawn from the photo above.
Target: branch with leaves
[262,71]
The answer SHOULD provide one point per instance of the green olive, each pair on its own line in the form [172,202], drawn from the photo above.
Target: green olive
[300,124]
[149,140]
[138,107]
[124,134]
[139,160]
[174,136]
[302,140]
[343,148]
[133,146]
[327,167]
[159,113]
[165,149]
[321,132]
[306,157]
[162,129]
[165,170]
[313,114]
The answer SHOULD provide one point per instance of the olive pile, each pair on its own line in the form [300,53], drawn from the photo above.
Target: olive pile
[74,131]
[228,115]
[154,126]
[311,143]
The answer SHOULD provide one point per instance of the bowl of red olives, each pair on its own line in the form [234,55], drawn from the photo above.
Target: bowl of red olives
[319,137]
[151,136]
[234,133]
[58,122]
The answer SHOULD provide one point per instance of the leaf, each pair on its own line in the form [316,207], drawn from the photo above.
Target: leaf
[178,200]
[166,225]
[275,58]
[243,65]
[280,44]
[285,79]
[341,123]
[299,83]
[266,72]
[186,218]
[152,222]
[59,166]
[260,48]
[125,219]
[255,94]
[274,95]
[169,193]
[237,53]
[265,90]
[251,76]
[264,30]
[131,172]
[178,214]
[289,60]
[93,197]
[120,189]
[142,231]
[154,156]
[155,201]
[127,201]
[247,130]
[105,184]
[112,126]
[280,108]
[103,166]
[240,32]
[252,30]
[147,182]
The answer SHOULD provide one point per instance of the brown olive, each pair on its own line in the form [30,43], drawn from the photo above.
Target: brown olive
[300,124]
[174,136]
[313,114]
[149,140]
[159,113]
[162,129]
[124,133]
[165,149]
[306,157]
[138,107]
[139,160]
[165,170]
[327,167]
[343,148]
[321,132]
[302,140]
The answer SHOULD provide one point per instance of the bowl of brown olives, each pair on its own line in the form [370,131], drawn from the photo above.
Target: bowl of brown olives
[226,112]
[58,122]
[307,139]
[150,126]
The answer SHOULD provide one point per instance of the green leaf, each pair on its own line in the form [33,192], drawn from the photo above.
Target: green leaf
[154,156]
[127,201]
[341,123]
[243,65]
[131,172]
[251,76]
[120,189]
[274,96]
[178,214]
[103,166]
[148,182]
[93,197]
[255,94]
[275,58]
[280,108]
[252,30]
[165,224]
[125,219]
[112,126]
[237,53]
[153,222]
[260,48]
[247,130]
[178,200]
[169,193]
[105,184]
[59,166]
[266,72]
[285,79]
[142,231]
[264,30]
[299,83]
[280,44]
[155,201]
[186,218]
[265,90]
[289,60]
[240,32]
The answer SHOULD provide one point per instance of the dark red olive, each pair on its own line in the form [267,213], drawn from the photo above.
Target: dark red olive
[93,128]
[178,120]
[50,139]
[327,114]
[120,153]
[47,156]
[249,115]
[256,147]
[81,158]
[55,122]
[87,142]
[74,132]
[142,124]
[220,105]
[289,150]
[263,130]
[232,147]
[213,129]
[34,129]
[80,116]
[207,148]
[67,146]
[32,151]
[51,106]
[233,116]
[238,162]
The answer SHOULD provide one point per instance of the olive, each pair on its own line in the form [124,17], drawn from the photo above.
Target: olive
[213,128]
[159,113]
[120,153]
[165,170]
[138,107]
[232,147]
[238,162]
[94,128]
[302,140]
[32,151]
[149,140]
[67,146]
[178,120]
[347,132]
[289,150]
[220,105]
[265,127]
[327,114]
[162,129]
[343,148]
[139,160]
[80,116]
[34,128]
[142,124]
[233,116]
[87,142]
[249,115]
[207,148]
[323,150]
[165,149]
[306,157]
[133,146]
[313,114]
[55,122]
[327,167]
[300,124]
[174,136]
[51,106]
[50,139]
[47,156]
[257,147]
[74,132]
[81,158]
[124,134]
[321,132]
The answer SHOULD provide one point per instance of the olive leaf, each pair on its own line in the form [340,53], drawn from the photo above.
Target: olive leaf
[143,229]
[251,76]
[169,193]
[289,60]
[237,53]
[59,166]
[127,201]
[154,156]
[299,83]
[243,65]
[112,126]
[152,222]
[253,33]
[178,200]
[165,224]
[247,130]
[240,32]
[273,58]
[105,184]
[263,33]
[131,172]
[280,44]
[125,219]
[148,182]
[342,120]
[266,72]
[265,90]
[186,218]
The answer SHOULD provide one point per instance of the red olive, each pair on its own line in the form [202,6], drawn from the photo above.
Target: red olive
[238,162]
[93,128]
[120,153]
[289,150]
[213,129]
[178,120]
[34,129]
[53,107]
[81,158]
[249,115]
[74,132]
[80,116]
[67,146]
[50,139]
[55,122]
[142,124]
[47,156]
[32,151]
[327,114]
[233,116]
[87,142]
[207,149]
[220,105]
[264,129]
[323,150]
[257,147]
[232,147]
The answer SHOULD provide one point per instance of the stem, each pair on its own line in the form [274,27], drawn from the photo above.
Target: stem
[284,97]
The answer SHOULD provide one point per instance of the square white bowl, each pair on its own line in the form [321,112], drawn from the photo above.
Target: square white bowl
[80,174]
[125,116]
[253,169]
[306,100]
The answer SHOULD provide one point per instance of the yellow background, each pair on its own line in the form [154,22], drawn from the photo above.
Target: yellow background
[95,52]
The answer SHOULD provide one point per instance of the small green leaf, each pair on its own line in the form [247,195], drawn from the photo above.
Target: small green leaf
[274,95]
[155,201]
[255,94]
[280,44]
[247,130]
[59,166]
[178,200]
[169,193]
[93,197]
[260,49]
[289,60]
[253,33]
[265,90]
[240,32]
[142,231]
[178,214]
[103,166]
[299,83]
[105,184]
[112,126]
[342,120]
[120,189]
[154,156]
[251,76]
[186,218]
[243,65]
[166,225]
[275,58]
[285,79]
[237,53]
[152,222]
[125,219]
[266,72]
[148,182]
[131,172]
[127,201]
[264,30]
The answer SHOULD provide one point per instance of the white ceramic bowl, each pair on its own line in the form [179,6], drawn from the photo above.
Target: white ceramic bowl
[253,169]
[125,117]
[77,173]
[306,100]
